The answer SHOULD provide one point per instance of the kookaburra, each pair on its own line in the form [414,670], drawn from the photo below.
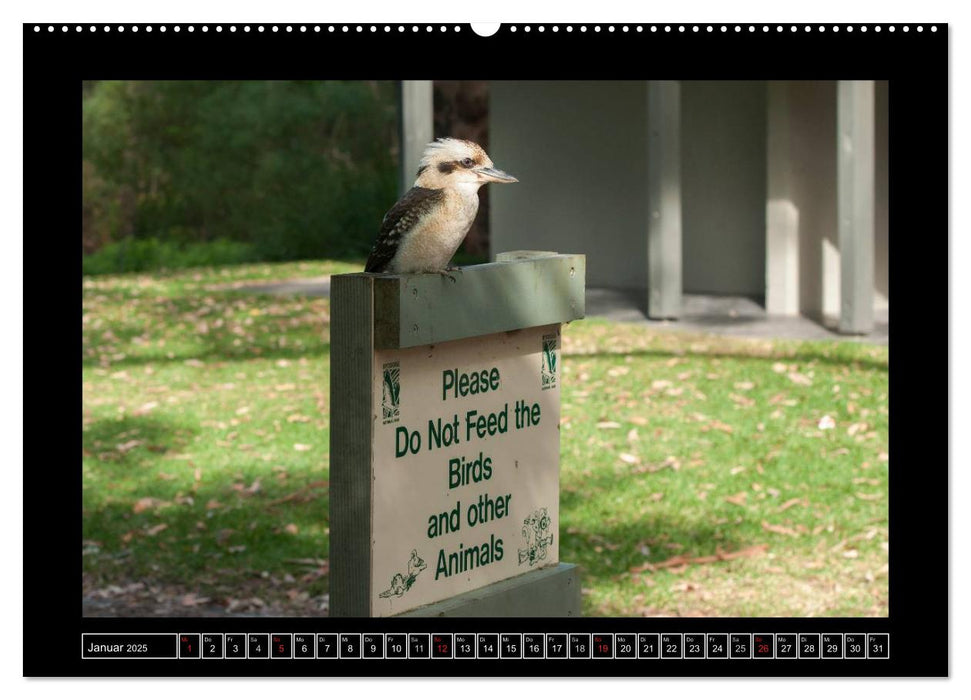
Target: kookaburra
[425,227]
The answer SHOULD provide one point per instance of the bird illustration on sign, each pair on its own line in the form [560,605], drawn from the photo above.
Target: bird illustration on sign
[401,583]
[537,536]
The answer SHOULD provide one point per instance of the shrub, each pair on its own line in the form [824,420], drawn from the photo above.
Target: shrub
[151,254]
[295,169]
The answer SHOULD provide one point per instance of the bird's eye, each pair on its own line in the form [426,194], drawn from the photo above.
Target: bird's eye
[468,162]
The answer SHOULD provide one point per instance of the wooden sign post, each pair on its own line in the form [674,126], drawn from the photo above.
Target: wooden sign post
[445,442]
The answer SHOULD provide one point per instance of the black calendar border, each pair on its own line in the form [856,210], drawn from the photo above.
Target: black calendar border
[916,66]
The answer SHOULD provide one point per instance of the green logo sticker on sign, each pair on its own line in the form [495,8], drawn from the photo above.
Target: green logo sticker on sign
[548,372]
[391,392]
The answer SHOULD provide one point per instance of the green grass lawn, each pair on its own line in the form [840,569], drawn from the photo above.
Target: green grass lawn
[699,475]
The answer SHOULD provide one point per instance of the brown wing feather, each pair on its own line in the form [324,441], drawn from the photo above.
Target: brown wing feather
[402,217]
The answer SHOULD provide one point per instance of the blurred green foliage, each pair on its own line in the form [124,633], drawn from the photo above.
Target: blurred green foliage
[194,172]
[148,254]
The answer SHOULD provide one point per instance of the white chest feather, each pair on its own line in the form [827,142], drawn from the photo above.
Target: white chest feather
[434,239]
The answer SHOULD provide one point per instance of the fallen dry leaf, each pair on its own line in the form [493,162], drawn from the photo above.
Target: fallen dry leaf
[145,408]
[742,400]
[800,379]
[738,499]
[147,503]
[296,595]
[190,600]
[789,504]
[684,587]
[154,530]
[315,563]
[126,447]
[779,529]
[303,495]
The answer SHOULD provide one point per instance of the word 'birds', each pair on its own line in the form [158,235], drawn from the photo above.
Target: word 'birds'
[425,227]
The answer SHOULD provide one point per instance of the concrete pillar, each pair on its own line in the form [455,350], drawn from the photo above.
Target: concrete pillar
[664,199]
[855,203]
[782,215]
[416,126]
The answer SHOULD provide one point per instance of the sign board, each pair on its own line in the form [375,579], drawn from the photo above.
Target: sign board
[445,443]
[465,465]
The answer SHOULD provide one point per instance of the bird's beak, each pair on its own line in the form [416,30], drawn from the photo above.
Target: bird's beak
[494,175]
